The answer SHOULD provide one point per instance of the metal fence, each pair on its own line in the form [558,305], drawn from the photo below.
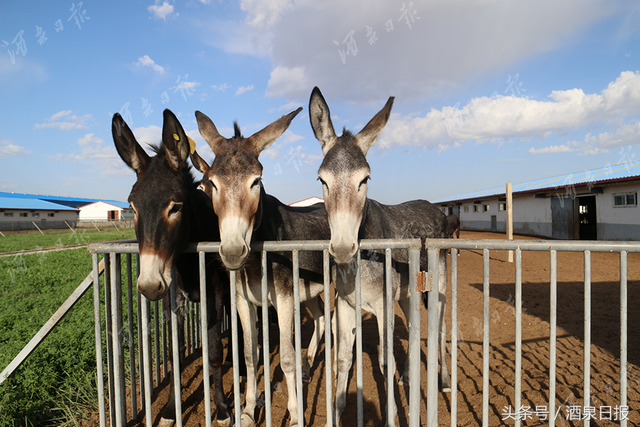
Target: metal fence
[152,334]
[144,342]
[623,248]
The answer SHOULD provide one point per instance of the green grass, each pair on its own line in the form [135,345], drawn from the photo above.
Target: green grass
[56,385]
[58,239]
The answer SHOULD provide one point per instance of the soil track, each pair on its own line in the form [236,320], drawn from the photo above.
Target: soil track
[605,348]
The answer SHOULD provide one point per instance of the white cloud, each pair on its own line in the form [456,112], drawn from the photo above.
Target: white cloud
[243,89]
[145,61]
[624,135]
[71,122]
[264,14]
[450,43]
[9,149]
[221,87]
[161,11]
[505,117]
[287,81]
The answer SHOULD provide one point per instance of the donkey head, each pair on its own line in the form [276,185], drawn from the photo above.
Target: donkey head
[344,173]
[234,182]
[160,201]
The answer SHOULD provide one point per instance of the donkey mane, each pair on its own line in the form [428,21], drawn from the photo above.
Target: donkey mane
[236,130]
[346,132]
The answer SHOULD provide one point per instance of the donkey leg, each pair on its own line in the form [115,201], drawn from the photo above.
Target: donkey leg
[445,385]
[316,307]
[383,359]
[169,415]
[288,354]
[215,320]
[248,316]
[345,339]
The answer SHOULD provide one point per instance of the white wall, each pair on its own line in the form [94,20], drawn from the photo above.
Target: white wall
[97,211]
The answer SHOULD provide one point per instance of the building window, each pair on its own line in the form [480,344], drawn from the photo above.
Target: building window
[8,214]
[35,214]
[23,214]
[502,206]
[485,208]
[51,214]
[466,208]
[626,199]
[476,208]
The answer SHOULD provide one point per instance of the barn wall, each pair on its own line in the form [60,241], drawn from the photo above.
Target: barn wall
[617,223]
[43,220]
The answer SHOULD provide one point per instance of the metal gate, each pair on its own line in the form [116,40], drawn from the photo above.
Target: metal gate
[623,248]
[115,354]
[152,334]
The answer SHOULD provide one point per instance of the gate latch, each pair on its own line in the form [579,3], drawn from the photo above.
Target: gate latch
[424,282]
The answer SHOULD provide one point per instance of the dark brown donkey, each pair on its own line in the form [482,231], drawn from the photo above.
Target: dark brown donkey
[247,213]
[171,211]
[344,174]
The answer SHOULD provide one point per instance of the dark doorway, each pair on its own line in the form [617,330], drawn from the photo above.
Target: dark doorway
[494,223]
[587,223]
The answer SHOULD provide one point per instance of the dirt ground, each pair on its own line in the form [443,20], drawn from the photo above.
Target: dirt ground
[605,349]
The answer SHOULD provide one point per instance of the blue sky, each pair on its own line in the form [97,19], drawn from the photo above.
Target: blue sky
[486,92]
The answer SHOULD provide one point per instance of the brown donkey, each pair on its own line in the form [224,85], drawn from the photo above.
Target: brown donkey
[247,213]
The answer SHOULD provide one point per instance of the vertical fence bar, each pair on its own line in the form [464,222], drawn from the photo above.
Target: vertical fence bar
[175,362]
[328,372]
[131,342]
[389,321]
[157,321]
[587,334]
[109,341]
[432,338]
[454,337]
[623,333]
[205,337]
[266,346]
[237,409]
[518,368]
[553,313]
[414,339]
[485,338]
[359,381]
[163,323]
[98,335]
[146,349]
[116,322]
[141,353]
[298,335]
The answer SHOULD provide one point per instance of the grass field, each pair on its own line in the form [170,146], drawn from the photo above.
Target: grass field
[60,239]
[57,382]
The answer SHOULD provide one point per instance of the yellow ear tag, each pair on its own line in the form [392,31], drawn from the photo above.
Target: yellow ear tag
[176,137]
[192,144]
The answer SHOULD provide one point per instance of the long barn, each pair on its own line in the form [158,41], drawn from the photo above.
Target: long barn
[599,204]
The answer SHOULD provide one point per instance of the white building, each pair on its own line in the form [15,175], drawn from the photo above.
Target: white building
[105,211]
[600,204]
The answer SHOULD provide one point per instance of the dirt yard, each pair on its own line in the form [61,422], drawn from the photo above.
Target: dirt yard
[605,349]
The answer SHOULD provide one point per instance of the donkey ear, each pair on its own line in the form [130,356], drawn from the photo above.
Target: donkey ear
[209,132]
[127,146]
[175,141]
[320,118]
[368,135]
[265,137]
[199,163]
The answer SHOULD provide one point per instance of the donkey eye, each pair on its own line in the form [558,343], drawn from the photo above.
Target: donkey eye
[213,185]
[255,182]
[363,182]
[324,184]
[175,209]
